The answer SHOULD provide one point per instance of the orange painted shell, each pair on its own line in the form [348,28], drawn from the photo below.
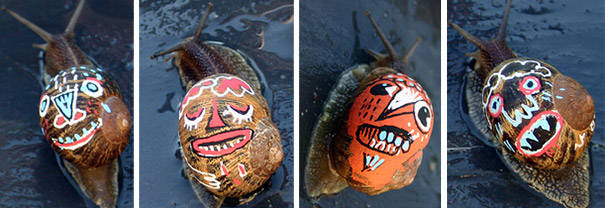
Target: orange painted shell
[83,117]
[539,115]
[389,124]
[228,140]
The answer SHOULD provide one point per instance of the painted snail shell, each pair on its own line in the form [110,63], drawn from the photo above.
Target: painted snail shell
[228,140]
[83,117]
[541,116]
[389,124]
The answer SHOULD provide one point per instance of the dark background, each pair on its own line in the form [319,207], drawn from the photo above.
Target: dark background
[328,46]
[570,35]
[29,175]
[267,37]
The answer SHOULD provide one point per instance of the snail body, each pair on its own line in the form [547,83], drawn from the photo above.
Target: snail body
[229,145]
[380,135]
[540,120]
[82,114]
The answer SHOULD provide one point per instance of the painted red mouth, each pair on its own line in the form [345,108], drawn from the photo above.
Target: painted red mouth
[541,134]
[78,140]
[222,143]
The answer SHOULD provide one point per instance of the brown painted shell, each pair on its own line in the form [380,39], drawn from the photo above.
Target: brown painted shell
[83,117]
[541,116]
[228,140]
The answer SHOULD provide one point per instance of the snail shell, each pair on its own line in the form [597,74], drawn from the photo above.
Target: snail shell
[83,117]
[545,119]
[389,124]
[542,120]
[228,140]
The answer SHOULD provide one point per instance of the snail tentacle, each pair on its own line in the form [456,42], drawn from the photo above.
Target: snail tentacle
[392,52]
[502,30]
[198,33]
[69,30]
[41,32]
[408,54]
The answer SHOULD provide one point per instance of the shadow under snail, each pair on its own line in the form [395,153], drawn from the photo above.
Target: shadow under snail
[540,120]
[229,145]
[82,114]
[374,126]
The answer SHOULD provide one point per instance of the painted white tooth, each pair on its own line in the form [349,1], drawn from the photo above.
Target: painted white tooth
[380,143]
[231,144]
[406,145]
[388,147]
[398,141]
[524,143]
[211,148]
[372,143]
[224,146]
[204,147]
[217,147]
[390,137]
[530,135]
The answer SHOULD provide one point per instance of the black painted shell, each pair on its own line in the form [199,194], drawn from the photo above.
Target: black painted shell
[541,116]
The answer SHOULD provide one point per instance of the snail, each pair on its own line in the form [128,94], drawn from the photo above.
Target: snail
[373,128]
[540,120]
[228,143]
[82,114]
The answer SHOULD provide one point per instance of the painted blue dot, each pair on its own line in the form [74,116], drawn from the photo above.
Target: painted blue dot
[390,137]
[99,77]
[382,135]
[92,87]
[106,107]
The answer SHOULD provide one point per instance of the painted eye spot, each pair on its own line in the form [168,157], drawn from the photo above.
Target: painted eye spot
[495,105]
[383,89]
[91,88]
[193,118]
[238,113]
[43,106]
[422,115]
[529,85]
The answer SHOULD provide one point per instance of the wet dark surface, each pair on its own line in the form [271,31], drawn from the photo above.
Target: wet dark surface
[29,175]
[333,35]
[263,31]
[570,35]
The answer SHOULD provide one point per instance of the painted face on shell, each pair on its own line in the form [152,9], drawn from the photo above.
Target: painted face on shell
[223,120]
[519,103]
[390,122]
[71,110]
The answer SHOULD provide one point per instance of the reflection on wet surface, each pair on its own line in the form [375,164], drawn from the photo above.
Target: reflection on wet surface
[567,34]
[29,173]
[263,32]
[333,35]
